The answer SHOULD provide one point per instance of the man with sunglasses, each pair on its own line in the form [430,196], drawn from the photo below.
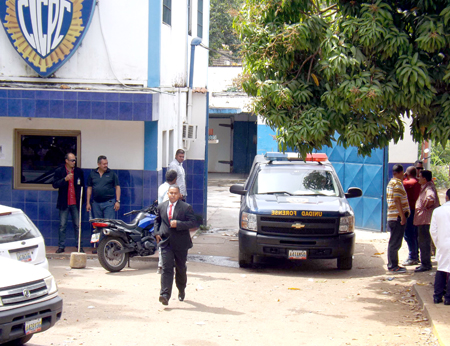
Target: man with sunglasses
[68,180]
[419,167]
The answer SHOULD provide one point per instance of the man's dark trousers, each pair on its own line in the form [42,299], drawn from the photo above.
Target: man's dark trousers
[440,282]
[63,216]
[395,241]
[169,259]
[411,237]
[425,245]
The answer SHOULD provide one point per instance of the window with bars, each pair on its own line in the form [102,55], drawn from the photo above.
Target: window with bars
[200,19]
[167,12]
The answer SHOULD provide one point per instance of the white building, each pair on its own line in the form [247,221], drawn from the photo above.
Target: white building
[123,92]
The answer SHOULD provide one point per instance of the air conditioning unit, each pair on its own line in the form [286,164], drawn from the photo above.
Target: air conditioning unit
[190,132]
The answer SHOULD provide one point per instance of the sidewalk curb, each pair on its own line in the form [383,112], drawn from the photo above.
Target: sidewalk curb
[437,314]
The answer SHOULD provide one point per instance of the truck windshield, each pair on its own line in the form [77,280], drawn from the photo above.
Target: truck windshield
[295,182]
[15,227]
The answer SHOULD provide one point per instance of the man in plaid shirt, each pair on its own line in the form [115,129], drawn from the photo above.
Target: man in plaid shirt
[398,212]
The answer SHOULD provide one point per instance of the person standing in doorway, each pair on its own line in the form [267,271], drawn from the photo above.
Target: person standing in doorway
[428,201]
[440,232]
[412,188]
[177,165]
[173,221]
[68,180]
[398,212]
[171,179]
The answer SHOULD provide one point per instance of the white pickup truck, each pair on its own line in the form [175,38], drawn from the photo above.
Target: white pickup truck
[29,301]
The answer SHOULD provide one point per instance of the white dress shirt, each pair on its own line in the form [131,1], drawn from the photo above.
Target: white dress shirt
[181,176]
[440,232]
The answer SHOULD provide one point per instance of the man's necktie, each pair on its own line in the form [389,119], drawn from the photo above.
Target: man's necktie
[170,212]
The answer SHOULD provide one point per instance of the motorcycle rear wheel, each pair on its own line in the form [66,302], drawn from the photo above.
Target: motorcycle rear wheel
[108,256]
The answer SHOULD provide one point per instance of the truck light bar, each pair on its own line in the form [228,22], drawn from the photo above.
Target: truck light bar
[317,157]
[275,156]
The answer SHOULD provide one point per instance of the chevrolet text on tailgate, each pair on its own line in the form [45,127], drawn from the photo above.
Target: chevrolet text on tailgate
[296,209]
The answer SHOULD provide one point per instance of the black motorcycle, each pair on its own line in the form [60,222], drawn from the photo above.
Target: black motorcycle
[118,240]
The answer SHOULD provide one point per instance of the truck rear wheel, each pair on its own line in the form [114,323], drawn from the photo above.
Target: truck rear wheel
[345,263]
[245,260]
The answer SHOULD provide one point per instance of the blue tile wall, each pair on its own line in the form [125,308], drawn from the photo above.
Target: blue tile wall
[75,105]
[139,189]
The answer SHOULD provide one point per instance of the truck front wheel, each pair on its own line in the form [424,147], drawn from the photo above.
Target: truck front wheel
[245,260]
[345,263]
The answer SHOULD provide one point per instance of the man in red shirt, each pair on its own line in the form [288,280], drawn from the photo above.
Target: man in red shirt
[412,188]
[68,180]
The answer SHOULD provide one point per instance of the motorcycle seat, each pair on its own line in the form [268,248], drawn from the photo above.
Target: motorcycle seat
[123,224]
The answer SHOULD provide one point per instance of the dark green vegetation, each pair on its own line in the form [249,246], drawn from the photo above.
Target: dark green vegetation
[347,70]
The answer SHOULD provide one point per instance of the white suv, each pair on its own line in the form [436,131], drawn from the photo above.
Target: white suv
[20,239]
[29,301]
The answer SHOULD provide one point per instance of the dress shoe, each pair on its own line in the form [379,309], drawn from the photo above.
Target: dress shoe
[60,249]
[164,300]
[181,295]
[421,269]
[437,300]
[447,302]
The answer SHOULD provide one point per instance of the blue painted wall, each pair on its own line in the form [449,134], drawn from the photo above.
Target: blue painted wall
[139,189]
[244,148]
[75,105]
[154,43]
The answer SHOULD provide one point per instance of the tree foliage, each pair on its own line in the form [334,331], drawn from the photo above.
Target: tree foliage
[221,26]
[348,71]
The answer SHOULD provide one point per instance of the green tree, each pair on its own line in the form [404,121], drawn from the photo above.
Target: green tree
[347,70]
[221,31]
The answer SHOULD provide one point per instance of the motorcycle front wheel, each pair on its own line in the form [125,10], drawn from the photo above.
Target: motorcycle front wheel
[109,256]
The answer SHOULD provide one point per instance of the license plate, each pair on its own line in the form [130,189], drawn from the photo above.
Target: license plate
[95,238]
[297,254]
[33,326]
[24,256]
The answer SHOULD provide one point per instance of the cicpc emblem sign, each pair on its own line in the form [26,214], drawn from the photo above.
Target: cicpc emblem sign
[46,32]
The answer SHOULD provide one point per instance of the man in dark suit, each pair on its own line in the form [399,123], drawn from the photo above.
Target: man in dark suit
[68,180]
[172,224]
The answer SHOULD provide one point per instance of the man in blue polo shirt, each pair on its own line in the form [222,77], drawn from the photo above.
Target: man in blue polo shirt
[103,187]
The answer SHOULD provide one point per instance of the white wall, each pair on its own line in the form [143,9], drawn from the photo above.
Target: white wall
[196,149]
[125,26]
[221,77]
[176,47]
[121,141]
[405,150]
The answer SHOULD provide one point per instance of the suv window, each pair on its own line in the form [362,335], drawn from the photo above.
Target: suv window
[295,181]
[14,227]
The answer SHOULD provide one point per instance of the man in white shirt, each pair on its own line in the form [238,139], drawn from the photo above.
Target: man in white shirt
[171,178]
[177,165]
[440,232]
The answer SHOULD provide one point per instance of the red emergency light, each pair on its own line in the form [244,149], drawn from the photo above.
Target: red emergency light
[317,157]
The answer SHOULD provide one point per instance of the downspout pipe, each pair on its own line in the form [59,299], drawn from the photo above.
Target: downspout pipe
[195,42]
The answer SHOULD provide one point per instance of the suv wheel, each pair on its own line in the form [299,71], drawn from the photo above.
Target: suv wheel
[245,260]
[345,263]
